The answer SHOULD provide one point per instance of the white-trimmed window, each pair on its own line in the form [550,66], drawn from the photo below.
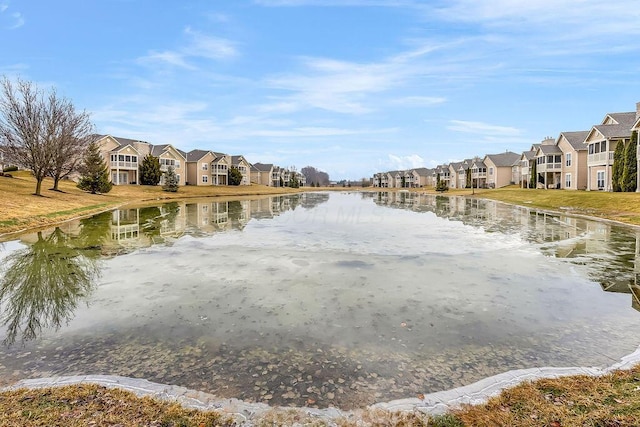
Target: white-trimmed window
[177,163]
[567,181]
[205,179]
[178,178]
[600,180]
[567,159]
[490,171]
[205,166]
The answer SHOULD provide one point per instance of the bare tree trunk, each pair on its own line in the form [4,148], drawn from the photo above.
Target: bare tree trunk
[38,187]
[56,180]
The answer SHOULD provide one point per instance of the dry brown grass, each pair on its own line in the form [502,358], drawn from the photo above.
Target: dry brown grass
[92,405]
[611,400]
[20,209]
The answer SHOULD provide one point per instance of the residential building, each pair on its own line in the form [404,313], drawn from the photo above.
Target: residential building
[261,174]
[168,156]
[478,174]
[498,168]
[123,156]
[199,167]
[548,159]
[240,163]
[601,142]
[574,160]
[454,175]
[220,169]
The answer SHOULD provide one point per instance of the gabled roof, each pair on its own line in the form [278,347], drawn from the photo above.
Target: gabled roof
[627,118]
[263,167]
[479,163]
[195,155]
[548,149]
[455,165]
[123,146]
[614,131]
[575,139]
[235,160]
[528,155]
[422,171]
[503,159]
[157,150]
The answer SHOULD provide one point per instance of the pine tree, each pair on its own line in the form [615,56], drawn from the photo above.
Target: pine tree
[618,167]
[235,176]
[95,173]
[630,173]
[170,180]
[150,173]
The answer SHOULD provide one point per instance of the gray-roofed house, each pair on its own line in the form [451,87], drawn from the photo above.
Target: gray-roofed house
[499,168]
[601,142]
[244,167]
[261,174]
[524,170]
[168,155]
[123,156]
[574,159]
[220,169]
[199,167]
[478,174]
[454,175]
[548,166]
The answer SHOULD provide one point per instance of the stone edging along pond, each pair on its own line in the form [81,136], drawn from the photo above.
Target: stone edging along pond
[244,412]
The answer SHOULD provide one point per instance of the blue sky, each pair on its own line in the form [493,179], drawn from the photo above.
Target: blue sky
[351,87]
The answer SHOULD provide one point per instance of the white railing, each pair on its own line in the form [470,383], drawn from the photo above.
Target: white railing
[544,167]
[600,157]
[124,165]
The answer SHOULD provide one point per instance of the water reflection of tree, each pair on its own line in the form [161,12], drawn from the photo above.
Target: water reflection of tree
[154,220]
[42,284]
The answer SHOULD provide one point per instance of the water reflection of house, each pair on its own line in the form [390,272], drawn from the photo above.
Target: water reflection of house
[125,225]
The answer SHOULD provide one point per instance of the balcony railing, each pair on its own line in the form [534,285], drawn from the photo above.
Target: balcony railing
[546,167]
[124,165]
[600,157]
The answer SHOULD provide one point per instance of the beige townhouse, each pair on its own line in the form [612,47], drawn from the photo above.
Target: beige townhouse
[574,160]
[123,157]
[169,156]
[498,168]
[261,174]
[244,167]
[601,142]
[548,159]
[478,173]
[199,167]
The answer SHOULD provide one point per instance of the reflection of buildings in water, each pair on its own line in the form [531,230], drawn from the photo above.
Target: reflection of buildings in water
[125,225]
[218,216]
[611,254]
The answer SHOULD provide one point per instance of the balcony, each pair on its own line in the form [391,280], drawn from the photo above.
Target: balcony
[549,167]
[600,158]
[124,165]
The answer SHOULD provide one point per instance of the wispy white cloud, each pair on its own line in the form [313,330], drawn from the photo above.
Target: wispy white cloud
[481,128]
[198,46]
[419,101]
[12,20]
[411,161]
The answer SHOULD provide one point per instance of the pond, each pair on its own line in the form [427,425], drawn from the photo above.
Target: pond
[318,299]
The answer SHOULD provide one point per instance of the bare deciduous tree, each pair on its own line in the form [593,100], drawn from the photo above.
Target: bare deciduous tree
[41,131]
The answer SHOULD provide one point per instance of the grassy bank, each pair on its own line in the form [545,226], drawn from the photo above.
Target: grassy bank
[20,209]
[610,400]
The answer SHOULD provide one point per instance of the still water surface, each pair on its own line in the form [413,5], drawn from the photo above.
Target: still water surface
[318,299]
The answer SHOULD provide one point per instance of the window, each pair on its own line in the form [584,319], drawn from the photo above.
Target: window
[557,158]
[177,163]
[600,179]
[567,181]
[568,159]
[205,179]
[178,178]
[205,167]
[590,148]
[490,171]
